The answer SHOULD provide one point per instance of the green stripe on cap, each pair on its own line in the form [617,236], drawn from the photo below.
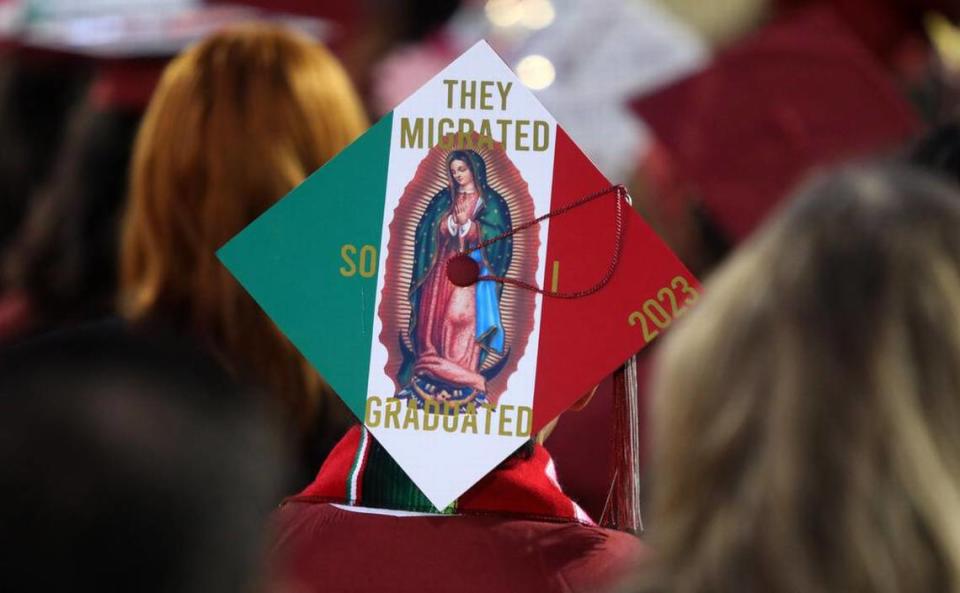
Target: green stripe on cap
[311,262]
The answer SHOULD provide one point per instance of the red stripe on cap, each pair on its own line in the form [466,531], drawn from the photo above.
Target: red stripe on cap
[585,339]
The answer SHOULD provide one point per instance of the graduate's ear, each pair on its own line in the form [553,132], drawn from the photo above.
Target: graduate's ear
[583,401]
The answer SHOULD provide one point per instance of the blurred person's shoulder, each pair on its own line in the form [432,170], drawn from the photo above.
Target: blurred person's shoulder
[336,547]
[114,347]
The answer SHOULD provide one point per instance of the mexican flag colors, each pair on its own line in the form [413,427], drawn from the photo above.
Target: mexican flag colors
[412,274]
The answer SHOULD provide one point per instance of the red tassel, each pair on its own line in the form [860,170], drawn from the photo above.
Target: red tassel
[622,509]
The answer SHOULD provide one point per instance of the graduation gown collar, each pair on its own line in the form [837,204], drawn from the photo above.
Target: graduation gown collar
[358,472]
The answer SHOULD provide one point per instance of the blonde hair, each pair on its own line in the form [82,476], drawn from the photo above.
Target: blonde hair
[236,123]
[807,415]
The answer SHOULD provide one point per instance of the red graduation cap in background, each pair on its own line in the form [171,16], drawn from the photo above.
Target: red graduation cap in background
[129,47]
[799,94]
[893,30]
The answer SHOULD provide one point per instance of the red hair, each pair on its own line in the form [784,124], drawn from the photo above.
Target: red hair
[236,123]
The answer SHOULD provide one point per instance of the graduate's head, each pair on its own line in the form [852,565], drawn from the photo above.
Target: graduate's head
[807,409]
[236,122]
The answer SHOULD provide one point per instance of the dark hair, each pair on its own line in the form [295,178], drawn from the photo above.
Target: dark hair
[939,152]
[36,97]
[64,257]
[411,20]
[129,464]
[806,408]
[266,107]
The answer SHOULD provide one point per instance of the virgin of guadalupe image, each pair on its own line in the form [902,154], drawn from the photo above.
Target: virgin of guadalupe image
[454,329]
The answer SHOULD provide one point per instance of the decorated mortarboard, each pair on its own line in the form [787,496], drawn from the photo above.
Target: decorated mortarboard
[128,41]
[801,93]
[461,274]
[133,29]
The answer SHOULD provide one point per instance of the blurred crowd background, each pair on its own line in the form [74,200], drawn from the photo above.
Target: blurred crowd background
[709,111]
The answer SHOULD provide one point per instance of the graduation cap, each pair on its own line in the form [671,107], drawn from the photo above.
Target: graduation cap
[801,93]
[128,43]
[117,29]
[461,274]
